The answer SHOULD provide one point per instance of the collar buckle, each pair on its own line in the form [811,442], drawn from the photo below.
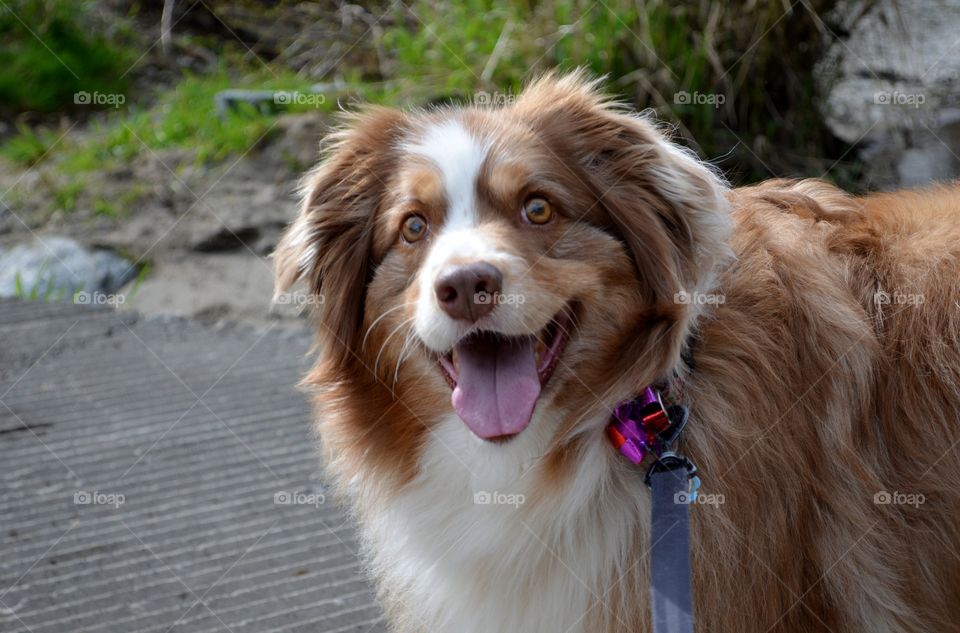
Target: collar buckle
[645,424]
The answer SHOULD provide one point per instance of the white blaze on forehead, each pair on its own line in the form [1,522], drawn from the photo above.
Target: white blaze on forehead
[458,155]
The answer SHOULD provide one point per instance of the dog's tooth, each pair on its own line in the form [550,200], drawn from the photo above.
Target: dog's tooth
[540,349]
[455,358]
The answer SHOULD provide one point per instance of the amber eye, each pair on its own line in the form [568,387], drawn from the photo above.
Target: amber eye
[414,228]
[537,211]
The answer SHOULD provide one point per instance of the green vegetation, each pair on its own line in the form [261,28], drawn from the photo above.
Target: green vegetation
[120,205]
[43,288]
[66,195]
[721,73]
[183,117]
[142,273]
[186,117]
[29,146]
[53,50]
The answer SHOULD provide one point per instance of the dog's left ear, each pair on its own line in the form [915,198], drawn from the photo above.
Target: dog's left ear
[329,244]
[667,206]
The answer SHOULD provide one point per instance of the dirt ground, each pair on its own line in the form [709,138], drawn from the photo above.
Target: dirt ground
[203,234]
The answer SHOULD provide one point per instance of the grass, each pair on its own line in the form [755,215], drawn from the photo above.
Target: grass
[66,195]
[29,145]
[720,71]
[121,205]
[63,51]
[181,118]
[42,288]
[185,117]
[144,271]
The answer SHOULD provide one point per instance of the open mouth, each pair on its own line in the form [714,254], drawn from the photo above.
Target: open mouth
[496,379]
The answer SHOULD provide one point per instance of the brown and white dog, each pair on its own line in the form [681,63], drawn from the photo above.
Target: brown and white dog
[494,280]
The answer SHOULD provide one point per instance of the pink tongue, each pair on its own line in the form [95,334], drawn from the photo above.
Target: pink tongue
[497,386]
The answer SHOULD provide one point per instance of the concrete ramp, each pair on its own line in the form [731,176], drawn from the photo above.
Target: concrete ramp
[158,475]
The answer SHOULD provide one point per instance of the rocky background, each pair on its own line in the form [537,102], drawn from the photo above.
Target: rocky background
[149,154]
[891,91]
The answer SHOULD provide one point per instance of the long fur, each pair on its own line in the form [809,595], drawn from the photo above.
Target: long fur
[826,373]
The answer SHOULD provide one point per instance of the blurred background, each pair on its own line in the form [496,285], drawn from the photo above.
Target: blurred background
[168,136]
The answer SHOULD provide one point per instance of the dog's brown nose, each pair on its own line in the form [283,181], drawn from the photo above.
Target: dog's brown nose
[469,292]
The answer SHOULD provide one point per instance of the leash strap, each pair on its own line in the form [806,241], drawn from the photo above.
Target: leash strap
[645,426]
[670,584]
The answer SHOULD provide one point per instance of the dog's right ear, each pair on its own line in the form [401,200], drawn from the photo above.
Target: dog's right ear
[328,245]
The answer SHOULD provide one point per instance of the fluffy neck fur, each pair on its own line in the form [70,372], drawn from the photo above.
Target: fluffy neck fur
[558,560]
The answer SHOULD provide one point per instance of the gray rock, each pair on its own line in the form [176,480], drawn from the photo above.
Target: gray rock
[891,87]
[57,267]
[266,101]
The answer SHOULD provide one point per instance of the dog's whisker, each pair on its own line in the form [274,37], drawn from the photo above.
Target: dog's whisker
[366,335]
[410,338]
[383,346]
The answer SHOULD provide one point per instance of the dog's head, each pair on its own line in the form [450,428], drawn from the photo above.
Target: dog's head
[515,259]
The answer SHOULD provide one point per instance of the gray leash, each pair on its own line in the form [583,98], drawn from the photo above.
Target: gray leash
[670,579]
[645,426]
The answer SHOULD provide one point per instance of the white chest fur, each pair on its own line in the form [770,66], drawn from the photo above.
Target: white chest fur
[479,543]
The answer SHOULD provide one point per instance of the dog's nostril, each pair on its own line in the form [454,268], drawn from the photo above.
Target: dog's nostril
[446,294]
[464,292]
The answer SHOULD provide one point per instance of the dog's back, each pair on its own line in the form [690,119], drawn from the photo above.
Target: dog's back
[915,265]
[828,390]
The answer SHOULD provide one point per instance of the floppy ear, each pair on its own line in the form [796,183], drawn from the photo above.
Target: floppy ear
[328,245]
[667,206]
